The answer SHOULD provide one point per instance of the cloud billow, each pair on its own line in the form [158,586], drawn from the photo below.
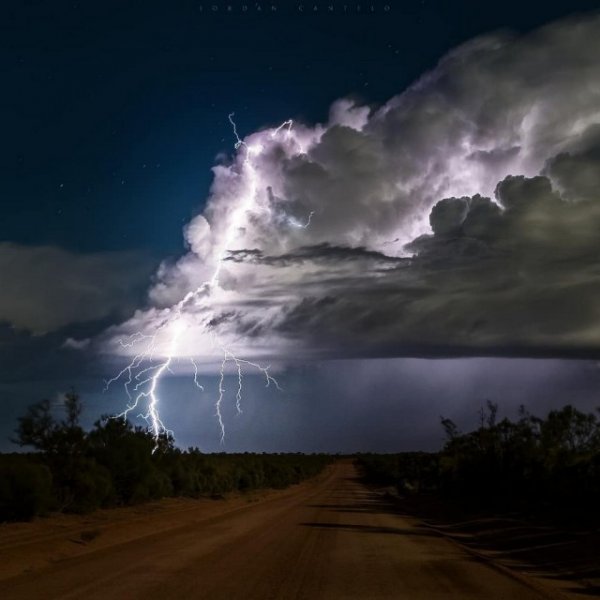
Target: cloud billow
[461,217]
[46,288]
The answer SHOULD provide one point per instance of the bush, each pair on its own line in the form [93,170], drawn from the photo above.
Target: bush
[90,488]
[530,464]
[116,463]
[25,488]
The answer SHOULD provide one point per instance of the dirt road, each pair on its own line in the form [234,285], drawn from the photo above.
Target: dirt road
[334,539]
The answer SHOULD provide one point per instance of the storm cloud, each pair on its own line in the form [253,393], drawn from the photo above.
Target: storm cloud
[45,288]
[460,218]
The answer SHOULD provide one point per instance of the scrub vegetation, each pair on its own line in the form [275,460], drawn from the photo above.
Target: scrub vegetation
[73,470]
[531,465]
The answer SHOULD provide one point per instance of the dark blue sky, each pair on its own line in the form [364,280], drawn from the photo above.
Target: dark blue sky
[114,111]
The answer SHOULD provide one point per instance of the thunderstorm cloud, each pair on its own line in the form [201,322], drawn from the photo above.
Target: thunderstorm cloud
[459,218]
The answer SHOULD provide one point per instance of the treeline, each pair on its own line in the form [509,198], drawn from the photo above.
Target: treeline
[529,464]
[115,464]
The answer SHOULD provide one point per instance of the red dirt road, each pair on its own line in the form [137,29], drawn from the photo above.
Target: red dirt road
[333,539]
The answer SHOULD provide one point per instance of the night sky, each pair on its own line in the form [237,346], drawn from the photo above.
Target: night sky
[114,114]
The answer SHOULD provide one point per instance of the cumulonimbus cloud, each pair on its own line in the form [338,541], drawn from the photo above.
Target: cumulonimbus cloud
[459,217]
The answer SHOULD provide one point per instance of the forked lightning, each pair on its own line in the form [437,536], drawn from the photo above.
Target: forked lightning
[143,374]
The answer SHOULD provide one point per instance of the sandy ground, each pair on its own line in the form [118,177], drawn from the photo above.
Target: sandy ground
[330,538]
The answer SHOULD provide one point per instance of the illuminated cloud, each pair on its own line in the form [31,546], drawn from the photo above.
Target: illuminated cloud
[461,217]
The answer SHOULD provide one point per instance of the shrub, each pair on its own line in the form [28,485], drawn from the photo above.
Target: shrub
[25,488]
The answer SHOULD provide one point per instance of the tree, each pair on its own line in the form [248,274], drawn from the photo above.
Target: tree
[39,429]
[450,429]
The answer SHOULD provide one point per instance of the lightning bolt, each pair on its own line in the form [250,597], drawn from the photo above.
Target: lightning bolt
[295,223]
[238,362]
[142,376]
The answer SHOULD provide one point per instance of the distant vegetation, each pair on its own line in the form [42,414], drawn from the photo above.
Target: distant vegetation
[531,464]
[114,464]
